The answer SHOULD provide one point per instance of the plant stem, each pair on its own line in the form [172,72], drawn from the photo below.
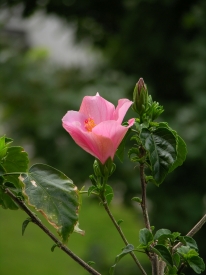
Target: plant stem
[153,258]
[144,196]
[50,234]
[106,207]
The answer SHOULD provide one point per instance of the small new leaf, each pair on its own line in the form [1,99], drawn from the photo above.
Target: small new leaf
[129,248]
[25,224]
[137,199]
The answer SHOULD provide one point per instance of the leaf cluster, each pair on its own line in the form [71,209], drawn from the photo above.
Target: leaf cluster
[162,242]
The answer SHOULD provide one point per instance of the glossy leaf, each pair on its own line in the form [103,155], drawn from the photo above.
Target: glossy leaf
[164,253]
[181,147]
[129,248]
[161,145]
[145,236]
[54,195]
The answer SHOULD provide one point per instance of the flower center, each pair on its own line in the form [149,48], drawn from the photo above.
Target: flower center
[89,124]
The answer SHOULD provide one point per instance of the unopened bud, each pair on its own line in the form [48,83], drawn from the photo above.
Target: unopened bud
[140,97]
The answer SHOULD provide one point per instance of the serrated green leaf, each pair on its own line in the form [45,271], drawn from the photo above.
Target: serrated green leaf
[197,264]
[16,160]
[181,147]
[54,195]
[183,250]
[164,253]
[181,153]
[109,194]
[161,232]
[191,242]
[161,145]
[129,248]
[145,236]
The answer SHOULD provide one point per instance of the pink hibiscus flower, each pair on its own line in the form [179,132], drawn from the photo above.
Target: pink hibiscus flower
[97,126]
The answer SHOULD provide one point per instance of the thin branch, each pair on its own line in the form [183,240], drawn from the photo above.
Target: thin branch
[153,258]
[50,234]
[106,207]
[193,231]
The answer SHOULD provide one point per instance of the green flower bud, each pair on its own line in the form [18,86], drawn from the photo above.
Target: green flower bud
[140,97]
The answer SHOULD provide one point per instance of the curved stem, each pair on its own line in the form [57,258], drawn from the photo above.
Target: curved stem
[106,207]
[50,234]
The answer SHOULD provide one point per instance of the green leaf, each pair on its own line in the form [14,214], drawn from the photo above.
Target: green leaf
[129,248]
[181,153]
[108,192]
[54,195]
[137,199]
[176,259]
[145,236]
[196,263]
[119,222]
[25,224]
[6,201]
[120,150]
[181,147]
[53,247]
[164,253]
[161,145]
[16,160]
[3,148]
[92,189]
[172,271]
[161,232]
[191,242]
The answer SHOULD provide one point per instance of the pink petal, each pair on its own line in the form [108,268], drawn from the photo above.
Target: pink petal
[97,108]
[122,108]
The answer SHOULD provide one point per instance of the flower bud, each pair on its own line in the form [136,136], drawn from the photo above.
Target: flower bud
[140,97]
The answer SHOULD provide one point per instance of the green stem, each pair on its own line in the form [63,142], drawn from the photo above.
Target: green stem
[50,234]
[153,257]
[144,197]
[106,207]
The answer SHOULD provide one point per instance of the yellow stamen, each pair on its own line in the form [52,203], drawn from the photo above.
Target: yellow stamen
[89,124]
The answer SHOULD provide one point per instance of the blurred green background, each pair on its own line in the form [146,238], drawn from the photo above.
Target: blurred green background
[163,41]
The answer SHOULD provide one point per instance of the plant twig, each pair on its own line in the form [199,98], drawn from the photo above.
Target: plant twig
[106,207]
[193,231]
[50,234]
[153,258]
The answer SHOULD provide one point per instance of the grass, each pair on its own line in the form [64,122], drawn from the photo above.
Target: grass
[31,254]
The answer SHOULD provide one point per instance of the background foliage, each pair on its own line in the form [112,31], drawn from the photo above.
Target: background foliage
[163,41]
